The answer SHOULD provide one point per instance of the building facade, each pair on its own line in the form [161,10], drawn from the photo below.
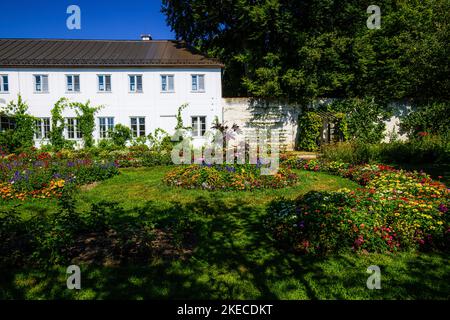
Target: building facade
[140,84]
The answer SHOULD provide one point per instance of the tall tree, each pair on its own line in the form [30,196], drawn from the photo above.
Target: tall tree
[300,50]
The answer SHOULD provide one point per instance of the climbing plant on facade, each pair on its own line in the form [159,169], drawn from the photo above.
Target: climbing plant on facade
[309,125]
[24,125]
[56,135]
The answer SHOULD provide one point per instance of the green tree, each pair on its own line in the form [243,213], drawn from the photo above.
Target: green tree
[301,50]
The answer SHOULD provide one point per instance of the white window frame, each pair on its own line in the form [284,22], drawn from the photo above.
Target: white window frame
[74,88]
[41,80]
[135,80]
[105,127]
[43,127]
[2,83]
[195,78]
[76,129]
[104,77]
[166,82]
[138,132]
[197,132]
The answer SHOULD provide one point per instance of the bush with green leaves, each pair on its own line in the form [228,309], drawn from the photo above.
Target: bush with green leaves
[432,118]
[120,135]
[364,118]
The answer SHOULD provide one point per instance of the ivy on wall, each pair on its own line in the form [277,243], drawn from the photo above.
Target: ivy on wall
[309,128]
[56,135]
[86,120]
[24,126]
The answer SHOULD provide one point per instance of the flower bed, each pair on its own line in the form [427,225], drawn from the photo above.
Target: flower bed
[227,177]
[41,175]
[394,210]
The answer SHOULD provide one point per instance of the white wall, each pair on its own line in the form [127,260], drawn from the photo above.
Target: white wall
[157,107]
[249,115]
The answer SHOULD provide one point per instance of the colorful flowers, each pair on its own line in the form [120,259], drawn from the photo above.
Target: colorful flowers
[40,175]
[228,177]
[394,210]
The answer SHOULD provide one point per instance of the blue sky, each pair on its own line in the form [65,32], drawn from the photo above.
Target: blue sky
[100,19]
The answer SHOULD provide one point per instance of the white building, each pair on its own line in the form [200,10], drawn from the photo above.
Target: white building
[140,84]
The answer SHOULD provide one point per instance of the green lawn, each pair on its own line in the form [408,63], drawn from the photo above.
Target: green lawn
[237,260]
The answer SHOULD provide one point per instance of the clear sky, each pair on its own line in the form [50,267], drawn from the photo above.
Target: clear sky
[100,19]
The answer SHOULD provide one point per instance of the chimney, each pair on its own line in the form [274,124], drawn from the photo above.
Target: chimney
[146,37]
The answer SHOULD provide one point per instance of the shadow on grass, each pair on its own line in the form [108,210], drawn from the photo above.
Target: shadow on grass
[234,258]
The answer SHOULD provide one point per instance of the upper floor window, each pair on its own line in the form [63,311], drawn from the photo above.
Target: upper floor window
[106,125]
[198,82]
[4,84]
[135,83]
[137,126]
[73,129]
[104,83]
[167,83]
[40,83]
[198,126]
[42,128]
[73,83]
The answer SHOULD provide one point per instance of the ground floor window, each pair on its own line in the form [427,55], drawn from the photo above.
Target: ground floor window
[106,125]
[138,126]
[73,129]
[42,128]
[198,126]
[7,123]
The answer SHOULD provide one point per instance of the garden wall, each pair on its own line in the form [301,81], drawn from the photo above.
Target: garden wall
[247,114]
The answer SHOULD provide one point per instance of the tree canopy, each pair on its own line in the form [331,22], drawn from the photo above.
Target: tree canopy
[304,49]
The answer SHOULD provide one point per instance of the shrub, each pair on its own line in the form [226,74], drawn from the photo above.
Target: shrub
[354,152]
[120,135]
[364,118]
[228,177]
[431,118]
[426,149]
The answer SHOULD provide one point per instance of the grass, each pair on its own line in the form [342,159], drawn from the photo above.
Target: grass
[234,259]
[136,186]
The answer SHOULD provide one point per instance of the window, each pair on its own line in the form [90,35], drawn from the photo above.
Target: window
[198,82]
[138,126]
[167,83]
[7,123]
[42,128]
[106,124]
[198,126]
[73,83]
[73,129]
[135,83]
[41,83]
[104,83]
[4,84]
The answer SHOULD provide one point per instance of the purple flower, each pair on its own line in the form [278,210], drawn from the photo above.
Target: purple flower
[443,208]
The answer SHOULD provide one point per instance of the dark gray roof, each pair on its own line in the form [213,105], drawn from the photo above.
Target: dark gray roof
[103,53]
